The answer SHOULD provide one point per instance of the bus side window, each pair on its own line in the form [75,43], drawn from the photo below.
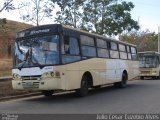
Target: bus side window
[70,50]
[157,61]
[129,52]
[87,46]
[134,53]
[114,53]
[66,45]
[71,45]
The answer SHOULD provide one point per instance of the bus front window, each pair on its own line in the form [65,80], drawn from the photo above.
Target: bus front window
[37,51]
[148,62]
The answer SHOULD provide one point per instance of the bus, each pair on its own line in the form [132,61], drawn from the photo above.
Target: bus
[57,57]
[149,64]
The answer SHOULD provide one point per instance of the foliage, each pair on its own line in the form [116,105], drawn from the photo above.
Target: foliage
[109,17]
[69,12]
[145,40]
[2,23]
[7,5]
[36,10]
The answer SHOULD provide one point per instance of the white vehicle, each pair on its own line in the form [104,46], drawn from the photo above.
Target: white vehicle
[56,57]
[149,64]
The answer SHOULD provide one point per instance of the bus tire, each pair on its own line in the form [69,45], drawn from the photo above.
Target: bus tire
[123,82]
[83,90]
[142,78]
[47,93]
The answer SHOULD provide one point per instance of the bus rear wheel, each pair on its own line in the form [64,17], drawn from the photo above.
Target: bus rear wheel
[123,82]
[83,90]
[47,93]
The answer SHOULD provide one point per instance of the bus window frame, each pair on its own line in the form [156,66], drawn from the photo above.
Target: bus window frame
[67,54]
[122,51]
[102,48]
[113,50]
[86,45]
[134,53]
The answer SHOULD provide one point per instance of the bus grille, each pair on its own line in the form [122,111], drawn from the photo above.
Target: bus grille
[145,72]
[31,77]
[33,85]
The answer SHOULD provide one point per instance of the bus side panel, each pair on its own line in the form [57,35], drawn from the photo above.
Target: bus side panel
[133,69]
[112,71]
[62,80]
[75,72]
[123,64]
[103,72]
[97,68]
[72,76]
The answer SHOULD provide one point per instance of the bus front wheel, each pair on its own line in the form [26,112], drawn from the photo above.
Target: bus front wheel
[122,83]
[47,93]
[83,90]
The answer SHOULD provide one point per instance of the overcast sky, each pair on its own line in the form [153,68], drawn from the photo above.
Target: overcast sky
[145,11]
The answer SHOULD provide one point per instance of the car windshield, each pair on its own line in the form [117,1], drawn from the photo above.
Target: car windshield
[37,51]
[148,62]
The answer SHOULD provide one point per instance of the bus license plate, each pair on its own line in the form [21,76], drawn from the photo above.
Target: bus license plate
[29,84]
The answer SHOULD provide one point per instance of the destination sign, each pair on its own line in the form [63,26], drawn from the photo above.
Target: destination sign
[39,31]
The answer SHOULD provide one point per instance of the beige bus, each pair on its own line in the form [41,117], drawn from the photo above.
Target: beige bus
[56,57]
[149,64]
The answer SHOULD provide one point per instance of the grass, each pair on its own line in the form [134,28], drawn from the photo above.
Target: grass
[6,86]
[12,27]
[7,90]
[5,67]
[8,33]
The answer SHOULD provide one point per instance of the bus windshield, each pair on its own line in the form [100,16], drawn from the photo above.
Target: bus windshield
[37,51]
[148,62]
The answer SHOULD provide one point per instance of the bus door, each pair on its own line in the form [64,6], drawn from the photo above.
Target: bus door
[121,66]
[112,70]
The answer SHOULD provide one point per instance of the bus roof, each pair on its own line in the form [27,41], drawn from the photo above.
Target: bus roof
[149,52]
[74,29]
[100,36]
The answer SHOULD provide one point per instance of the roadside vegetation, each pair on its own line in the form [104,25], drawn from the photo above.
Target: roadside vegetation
[5,67]
[6,89]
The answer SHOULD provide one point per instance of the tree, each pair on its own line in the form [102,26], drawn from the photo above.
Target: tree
[69,12]
[145,40]
[109,16]
[36,10]
[7,5]
[100,16]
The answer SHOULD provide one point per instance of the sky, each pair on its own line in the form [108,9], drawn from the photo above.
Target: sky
[146,12]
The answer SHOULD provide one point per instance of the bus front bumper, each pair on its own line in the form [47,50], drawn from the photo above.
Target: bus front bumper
[37,85]
[149,73]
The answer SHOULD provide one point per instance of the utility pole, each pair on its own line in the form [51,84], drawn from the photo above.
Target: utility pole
[75,5]
[158,39]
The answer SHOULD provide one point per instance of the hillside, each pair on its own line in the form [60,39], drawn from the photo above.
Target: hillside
[7,36]
[11,27]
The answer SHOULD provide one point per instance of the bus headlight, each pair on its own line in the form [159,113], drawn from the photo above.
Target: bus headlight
[48,74]
[51,74]
[57,74]
[16,76]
